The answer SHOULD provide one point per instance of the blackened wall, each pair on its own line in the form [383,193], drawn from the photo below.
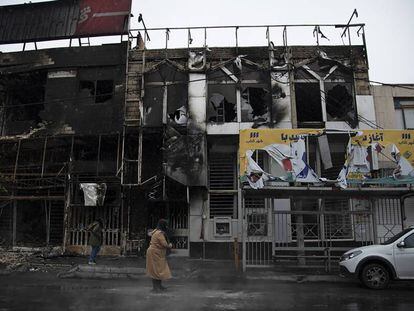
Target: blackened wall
[68,104]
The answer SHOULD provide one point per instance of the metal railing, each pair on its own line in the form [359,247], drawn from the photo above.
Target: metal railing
[300,235]
[235,35]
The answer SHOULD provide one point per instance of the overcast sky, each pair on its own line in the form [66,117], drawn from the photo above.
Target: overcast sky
[389,25]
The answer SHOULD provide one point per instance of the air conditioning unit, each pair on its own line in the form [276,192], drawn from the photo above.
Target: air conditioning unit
[222,227]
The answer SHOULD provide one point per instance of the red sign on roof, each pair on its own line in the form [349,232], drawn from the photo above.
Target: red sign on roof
[103,17]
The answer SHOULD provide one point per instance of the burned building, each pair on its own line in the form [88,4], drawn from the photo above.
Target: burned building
[314,102]
[62,125]
[274,148]
[61,129]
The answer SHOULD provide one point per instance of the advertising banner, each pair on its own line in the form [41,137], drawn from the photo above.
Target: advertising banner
[369,147]
[52,20]
[102,17]
[285,146]
[371,157]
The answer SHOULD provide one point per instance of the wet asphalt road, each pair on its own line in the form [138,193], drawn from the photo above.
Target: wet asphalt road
[42,291]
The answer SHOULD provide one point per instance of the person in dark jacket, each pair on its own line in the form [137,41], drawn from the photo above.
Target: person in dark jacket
[157,265]
[95,239]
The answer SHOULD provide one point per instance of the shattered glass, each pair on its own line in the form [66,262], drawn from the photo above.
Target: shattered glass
[254,103]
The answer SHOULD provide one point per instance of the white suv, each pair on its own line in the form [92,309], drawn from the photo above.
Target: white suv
[376,265]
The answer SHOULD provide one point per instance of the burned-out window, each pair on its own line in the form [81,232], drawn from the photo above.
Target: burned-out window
[221,105]
[255,93]
[100,90]
[23,96]
[339,101]
[153,105]
[308,102]
[166,93]
[324,92]
[177,103]
[221,97]
[255,100]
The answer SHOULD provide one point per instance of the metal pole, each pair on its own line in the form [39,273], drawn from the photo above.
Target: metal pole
[17,159]
[374,221]
[244,235]
[237,41]
[139,156]
[99,155]
[14,222]
[44,156]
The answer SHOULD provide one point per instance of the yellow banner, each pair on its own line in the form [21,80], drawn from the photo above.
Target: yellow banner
[256,139]
[402,139]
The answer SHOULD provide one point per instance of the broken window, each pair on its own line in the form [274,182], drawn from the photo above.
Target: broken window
[308,102]
[166,93]
[339,101]
[254,103]
[335,101]
[221,96]
[100,90]
[177,103]
[221,105]
[255,94]
[23,99]
[153,105]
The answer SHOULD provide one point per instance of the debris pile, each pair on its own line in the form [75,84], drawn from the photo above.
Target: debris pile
[29,260]
[16,261]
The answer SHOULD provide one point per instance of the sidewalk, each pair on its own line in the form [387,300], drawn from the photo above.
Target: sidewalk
[197,269]
[182,268]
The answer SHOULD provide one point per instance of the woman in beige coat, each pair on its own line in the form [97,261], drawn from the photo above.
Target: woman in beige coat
[157,266]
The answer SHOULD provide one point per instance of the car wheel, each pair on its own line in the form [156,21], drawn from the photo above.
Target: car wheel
[375,276]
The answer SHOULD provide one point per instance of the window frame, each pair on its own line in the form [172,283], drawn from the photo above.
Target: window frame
[322,80]
[398,105]
[95,94]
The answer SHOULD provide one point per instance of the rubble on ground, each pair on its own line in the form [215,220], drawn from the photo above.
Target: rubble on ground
[23,260]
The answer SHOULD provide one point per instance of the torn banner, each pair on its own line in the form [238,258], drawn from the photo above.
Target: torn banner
[370,146]
[286,147]
[94,194]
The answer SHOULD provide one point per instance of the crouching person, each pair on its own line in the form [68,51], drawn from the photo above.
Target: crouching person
[157,266]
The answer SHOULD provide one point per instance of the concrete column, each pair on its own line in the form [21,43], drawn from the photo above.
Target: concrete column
[197,92]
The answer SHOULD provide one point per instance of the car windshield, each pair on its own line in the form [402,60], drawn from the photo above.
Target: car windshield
[396,237]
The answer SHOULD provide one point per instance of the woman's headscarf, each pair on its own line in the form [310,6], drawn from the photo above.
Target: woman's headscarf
[162,225]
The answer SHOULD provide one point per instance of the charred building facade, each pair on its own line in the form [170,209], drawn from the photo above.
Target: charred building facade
[242,147]
[62,122]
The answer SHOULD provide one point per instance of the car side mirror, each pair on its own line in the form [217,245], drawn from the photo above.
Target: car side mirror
[401,244]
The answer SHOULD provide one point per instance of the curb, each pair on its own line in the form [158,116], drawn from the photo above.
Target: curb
[102,272]
[302,278]
[106,272]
